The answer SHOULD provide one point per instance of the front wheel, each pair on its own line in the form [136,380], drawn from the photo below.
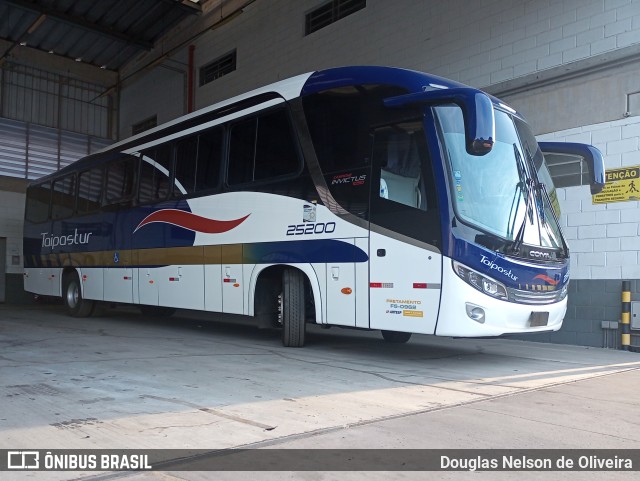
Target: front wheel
[293,308]
[396,337]
[76,305]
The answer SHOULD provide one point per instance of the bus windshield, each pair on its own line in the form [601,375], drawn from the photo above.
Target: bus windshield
[498,193]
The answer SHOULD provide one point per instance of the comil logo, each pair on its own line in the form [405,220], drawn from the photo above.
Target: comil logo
[23,460]
[540,255]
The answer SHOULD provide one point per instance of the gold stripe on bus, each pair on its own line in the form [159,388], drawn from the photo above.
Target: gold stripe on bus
[212,254]
[232,254]
[191,255]
[170,256]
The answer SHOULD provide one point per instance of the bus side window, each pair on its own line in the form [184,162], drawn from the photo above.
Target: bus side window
[186,166]
[120,180]
[398,154]
[198,161]
[406,200]
[63,197]
[155,173]
[38,199]
[262,148]
[210,144]
[89,190]
[242,151]
[276,153]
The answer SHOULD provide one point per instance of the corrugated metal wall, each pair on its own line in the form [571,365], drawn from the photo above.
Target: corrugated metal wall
[48,120]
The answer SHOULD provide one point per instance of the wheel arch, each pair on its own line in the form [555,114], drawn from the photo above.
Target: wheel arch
[260,271]
[67,271]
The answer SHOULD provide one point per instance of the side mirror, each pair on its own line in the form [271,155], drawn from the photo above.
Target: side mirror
[477,109]
[588,153]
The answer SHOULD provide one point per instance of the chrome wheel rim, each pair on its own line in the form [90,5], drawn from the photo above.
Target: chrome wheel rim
[73,295]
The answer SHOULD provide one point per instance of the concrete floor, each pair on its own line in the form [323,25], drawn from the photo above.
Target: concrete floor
[128,381]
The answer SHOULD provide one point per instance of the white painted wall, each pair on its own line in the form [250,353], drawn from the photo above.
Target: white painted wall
[480,43]
[161,92]
[604,238]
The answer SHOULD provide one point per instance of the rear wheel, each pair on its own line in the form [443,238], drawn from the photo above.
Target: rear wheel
[293,308]
[396,337]
[76,305]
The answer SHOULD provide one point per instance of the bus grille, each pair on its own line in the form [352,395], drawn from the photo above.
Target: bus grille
[534,297]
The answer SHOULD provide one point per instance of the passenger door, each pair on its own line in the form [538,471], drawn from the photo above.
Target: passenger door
[405,272]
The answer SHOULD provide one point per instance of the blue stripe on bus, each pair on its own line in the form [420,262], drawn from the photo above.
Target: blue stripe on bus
[307,251]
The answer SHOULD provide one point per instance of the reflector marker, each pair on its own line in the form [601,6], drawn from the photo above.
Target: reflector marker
[383,285]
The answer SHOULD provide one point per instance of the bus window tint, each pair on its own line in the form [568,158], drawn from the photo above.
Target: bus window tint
[186,166]
[155,173]
[38,197]
[63,198]
[340,122]
[242,152]
[89,190]
[398,153]
[276,153]
[209,158]
[120,180]
[262,148]
[198,160]
[403,193]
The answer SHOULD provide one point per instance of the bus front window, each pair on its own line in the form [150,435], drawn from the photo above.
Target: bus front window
[496,192]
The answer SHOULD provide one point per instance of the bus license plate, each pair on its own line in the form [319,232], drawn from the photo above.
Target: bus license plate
[538,319]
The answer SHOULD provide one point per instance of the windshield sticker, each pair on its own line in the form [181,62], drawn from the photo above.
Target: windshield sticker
[458,179]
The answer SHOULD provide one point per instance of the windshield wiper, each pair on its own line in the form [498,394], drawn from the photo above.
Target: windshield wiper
[538,186]
[529,185]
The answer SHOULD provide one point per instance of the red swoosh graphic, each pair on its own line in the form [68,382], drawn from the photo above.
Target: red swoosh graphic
[546,279]
[190,221]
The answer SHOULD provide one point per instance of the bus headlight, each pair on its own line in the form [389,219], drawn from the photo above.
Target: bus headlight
[481,282]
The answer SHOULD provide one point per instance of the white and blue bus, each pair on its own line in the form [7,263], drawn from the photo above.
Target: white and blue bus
[365,197]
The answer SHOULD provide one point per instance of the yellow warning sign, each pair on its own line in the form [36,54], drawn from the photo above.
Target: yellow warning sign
[621,185]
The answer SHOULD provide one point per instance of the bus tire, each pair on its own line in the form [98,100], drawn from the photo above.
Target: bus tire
[157,311]
[293,308]
[396,337]
[76,305]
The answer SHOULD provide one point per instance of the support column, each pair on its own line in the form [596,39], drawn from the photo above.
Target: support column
[625,318]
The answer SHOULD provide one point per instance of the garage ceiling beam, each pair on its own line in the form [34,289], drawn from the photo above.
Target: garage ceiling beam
[32,28]
[57,64]
[186,5]
[82,23]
